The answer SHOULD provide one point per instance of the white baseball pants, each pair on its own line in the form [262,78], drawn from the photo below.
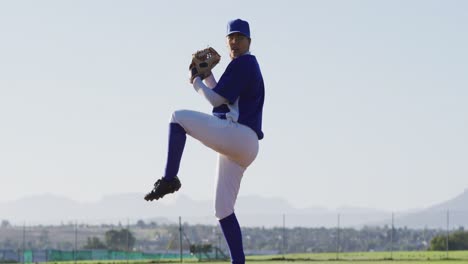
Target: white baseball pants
[236,144]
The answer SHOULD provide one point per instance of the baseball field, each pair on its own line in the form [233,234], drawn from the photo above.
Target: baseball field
[401,257]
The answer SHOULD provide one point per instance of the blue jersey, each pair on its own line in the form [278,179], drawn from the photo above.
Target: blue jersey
[242,85]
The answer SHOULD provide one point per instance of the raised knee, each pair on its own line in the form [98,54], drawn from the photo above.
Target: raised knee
[177,116]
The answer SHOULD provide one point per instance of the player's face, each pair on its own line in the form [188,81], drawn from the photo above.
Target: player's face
[238,44]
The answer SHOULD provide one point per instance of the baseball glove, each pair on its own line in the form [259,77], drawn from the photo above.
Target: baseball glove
[202,63]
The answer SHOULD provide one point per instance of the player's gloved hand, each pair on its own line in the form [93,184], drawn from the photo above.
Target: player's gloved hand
[201,76]
[202,63]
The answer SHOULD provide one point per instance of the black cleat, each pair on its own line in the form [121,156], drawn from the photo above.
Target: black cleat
[163,187]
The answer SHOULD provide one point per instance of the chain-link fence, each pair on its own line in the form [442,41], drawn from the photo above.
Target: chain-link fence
[398,236]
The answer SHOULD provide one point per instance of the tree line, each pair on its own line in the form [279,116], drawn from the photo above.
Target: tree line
[120,240]
[154,237]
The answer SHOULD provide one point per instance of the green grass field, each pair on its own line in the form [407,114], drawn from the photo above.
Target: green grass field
[402,257]
[372,256]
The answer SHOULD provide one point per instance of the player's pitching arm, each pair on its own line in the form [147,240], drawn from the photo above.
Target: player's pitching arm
[207,92]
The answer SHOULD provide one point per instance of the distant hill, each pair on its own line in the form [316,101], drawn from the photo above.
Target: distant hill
[251,211]
[436,216]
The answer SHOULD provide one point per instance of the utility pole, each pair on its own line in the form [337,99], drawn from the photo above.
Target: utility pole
[391,238]
[24,241]
[180,239]
[76,242]
[284,235]
[338,238]
[447,240]
[128,233]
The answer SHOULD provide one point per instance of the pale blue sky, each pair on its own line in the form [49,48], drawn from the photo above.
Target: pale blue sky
[366,101]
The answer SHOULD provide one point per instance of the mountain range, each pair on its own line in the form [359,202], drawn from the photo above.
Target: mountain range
[251,210]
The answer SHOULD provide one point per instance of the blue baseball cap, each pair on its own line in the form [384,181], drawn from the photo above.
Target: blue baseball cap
[238,26]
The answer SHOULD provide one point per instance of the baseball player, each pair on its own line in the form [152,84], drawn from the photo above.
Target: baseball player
[233,131]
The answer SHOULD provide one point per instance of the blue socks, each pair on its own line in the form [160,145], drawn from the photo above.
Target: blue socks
[232,234]
[177,138]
